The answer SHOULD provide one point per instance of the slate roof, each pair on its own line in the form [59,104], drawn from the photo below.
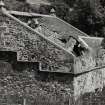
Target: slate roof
[54,24]
[51,25]
[48,39]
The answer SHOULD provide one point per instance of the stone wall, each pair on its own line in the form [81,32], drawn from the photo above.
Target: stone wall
[88,82]
[61,27]
[41,88]
[33,47]
[37,88]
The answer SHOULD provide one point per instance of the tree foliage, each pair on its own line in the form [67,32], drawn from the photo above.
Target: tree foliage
[82,15]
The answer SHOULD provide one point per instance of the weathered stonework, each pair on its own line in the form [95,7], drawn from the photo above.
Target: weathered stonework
[32,47]
[84,63]
[82,73]
[90,81]
[50,27]
[37,88]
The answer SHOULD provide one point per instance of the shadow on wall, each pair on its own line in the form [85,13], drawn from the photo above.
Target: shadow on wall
[8,60]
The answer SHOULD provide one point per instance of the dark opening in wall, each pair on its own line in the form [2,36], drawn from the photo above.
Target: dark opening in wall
[7,59]
[73,45]
[29,66]
[78,50]
[55,76]
[8,56]
[63,40]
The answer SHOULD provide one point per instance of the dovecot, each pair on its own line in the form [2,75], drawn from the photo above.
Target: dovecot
[50,48]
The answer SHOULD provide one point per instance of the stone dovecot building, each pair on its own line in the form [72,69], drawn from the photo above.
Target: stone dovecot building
[54,46]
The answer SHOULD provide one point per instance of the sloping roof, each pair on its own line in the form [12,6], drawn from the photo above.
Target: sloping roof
[61,28]
[41,35]
[55,24]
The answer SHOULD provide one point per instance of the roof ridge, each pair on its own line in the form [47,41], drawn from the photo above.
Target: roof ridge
[28,13]
[46,38]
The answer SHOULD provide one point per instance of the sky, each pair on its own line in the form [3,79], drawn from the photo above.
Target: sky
[38,2]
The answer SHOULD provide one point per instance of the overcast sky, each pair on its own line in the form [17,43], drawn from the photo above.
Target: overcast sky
[38,2]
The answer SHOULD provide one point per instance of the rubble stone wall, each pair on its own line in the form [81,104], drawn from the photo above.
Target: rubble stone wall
[32,47]
[88,82]
[37,88]
[41,88]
